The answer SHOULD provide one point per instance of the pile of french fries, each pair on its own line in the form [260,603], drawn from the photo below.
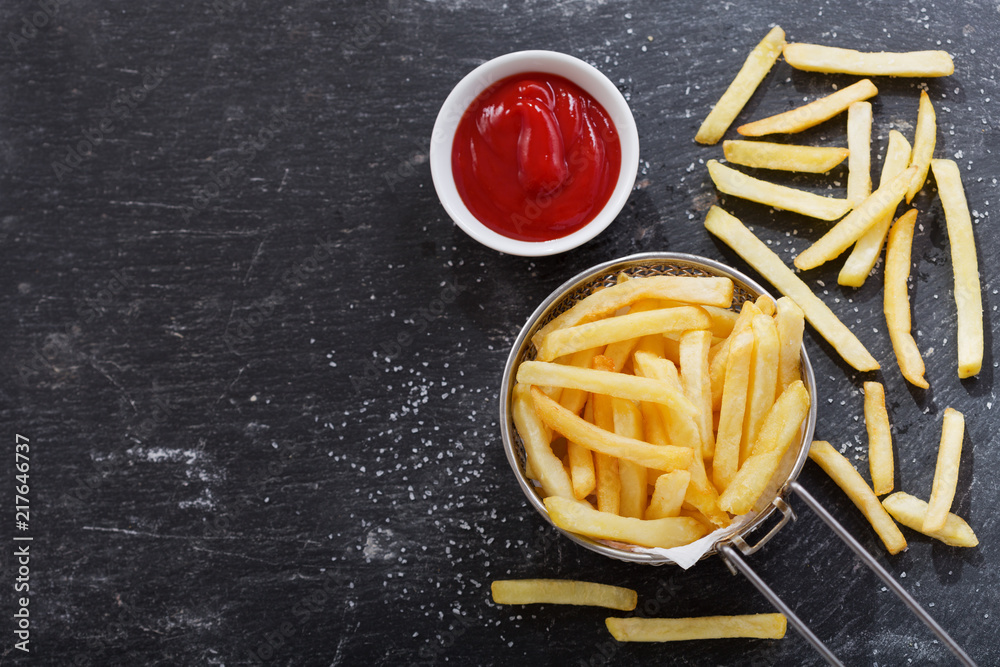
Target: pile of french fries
[865,221]
[652,414]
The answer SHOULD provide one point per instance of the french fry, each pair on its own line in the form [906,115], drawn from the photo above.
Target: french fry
[968,298]
[607,468]
[924,138]
[723,320]
[580,460]
[769,265]
[859,143]
[766,305]
[946,470]
[790,322]
[545,465]
[694,347]
[628,422]
[856,223]
[543,373]
[717,362]
[738,184]
[638,629]
[896,300]
[715,291]
[848,479]
[666,533]
[832,60]
[812,114]
[734,402]
[783,157]
[563,591]
[763,380]
[600,440]
[911,511]
[880,459]
[624,327]
[756,67]
[619,352]
[668,494]
[862,259]
[781,427]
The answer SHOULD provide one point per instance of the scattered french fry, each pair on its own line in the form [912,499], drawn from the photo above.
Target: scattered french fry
[756,626]
[738,184]
[756,67]
[968,297]
[859,143]
[666,533]
[880,459]
[848,479]
[790,322]
[911,511]
[783,157]
[946,470]
[769,265]
[924,139]
[897,301]
[816,58]
[856,223]
[563,591]
[862,259]
[812,114]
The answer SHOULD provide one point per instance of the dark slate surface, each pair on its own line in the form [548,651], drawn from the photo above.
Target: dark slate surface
[185,312]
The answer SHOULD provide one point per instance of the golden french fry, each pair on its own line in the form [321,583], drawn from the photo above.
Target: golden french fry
[769,265]
[880,459]
[790,323]
[781,428]
[628,422]
[968,299]
[543,373]
[856,223]
[723,320]
[600,440]
[911,511]
[859,143]
[574,399]
[718,360]
[563,591]
[946,470]
[811,114]
[734,402]
[694,348]
[619,352]
[866,251]
[668,494]
[637,629]
[766,305]
[710,291]
[763,380]
[924,138]
[738,184]
[816,58]
[666,533]
[607,468]
[545,465]
[783,157]
[622,328]
[848,479]
[897,302]
[756,67]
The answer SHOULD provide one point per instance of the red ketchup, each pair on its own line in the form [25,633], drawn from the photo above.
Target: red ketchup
[535,157]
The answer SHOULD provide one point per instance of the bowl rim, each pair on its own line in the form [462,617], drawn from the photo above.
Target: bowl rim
[523,342]
[588,77]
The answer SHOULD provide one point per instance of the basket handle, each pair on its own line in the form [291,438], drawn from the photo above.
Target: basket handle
[730,555]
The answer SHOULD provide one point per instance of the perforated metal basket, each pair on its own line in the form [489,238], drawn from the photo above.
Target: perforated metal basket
[733,544]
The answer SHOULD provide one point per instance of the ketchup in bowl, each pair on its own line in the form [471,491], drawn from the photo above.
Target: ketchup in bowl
[535,157]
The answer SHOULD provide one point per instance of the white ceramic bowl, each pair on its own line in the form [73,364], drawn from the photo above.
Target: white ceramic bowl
[551,62]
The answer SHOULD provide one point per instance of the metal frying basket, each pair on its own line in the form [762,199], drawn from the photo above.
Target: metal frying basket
[733,544]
